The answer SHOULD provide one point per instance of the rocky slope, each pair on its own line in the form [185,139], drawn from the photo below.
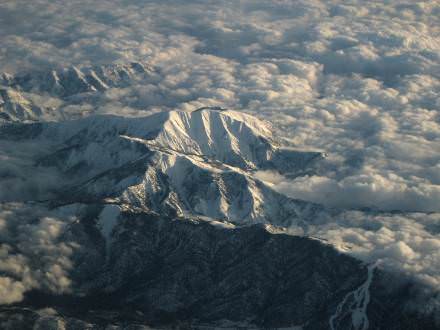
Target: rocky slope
[175,272]
[175,163]
[71,81]
[66,93]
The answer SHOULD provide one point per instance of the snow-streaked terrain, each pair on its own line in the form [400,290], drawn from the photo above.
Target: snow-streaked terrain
[358,303]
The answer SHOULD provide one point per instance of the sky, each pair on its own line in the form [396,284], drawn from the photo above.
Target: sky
[358,80]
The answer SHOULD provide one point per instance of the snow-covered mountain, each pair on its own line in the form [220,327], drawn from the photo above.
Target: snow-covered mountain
[196,163]
[14,107]
[168,272]
[70,81]
[222,136]
[51,95]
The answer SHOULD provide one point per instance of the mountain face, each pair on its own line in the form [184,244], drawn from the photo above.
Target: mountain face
[68,82]
[52,95]
[169,226]
[225,137]
[186,273]
[176,162]
[14,107]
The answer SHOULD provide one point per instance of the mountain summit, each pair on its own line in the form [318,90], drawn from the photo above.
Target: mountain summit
[196,163]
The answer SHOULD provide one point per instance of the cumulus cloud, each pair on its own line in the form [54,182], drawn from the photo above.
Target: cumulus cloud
[32,255]
[406,243]
[11,291]
[376,191]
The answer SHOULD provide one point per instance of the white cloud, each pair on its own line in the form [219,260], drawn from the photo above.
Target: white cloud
[406,243]
[31,253]
[377,191]
[11,291]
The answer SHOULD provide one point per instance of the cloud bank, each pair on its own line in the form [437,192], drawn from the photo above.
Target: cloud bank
[32,255]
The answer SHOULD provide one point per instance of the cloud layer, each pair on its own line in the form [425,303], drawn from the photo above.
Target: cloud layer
[32,255]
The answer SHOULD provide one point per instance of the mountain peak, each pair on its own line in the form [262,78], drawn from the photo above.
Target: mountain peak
[14,107]
[70,81]
[231,137]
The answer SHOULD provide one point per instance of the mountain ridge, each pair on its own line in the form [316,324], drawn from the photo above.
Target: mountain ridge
[197,163]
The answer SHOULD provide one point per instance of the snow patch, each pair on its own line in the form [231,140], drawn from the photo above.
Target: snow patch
[356,303]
